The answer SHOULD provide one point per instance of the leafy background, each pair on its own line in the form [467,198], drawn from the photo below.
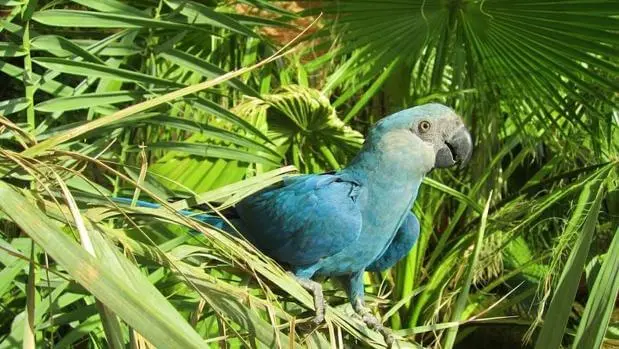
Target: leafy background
[201,100]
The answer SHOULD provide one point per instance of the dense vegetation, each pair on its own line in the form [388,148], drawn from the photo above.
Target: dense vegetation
[201,100]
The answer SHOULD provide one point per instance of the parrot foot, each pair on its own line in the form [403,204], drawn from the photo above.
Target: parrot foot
[372,322]
[319,300]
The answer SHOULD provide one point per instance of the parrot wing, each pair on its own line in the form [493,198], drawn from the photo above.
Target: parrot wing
[308,218]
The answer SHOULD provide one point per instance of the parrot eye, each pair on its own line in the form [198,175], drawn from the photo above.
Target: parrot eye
[424,126]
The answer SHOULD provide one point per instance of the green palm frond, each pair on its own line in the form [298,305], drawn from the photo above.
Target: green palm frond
[534,54]
[300,123]
[304,126]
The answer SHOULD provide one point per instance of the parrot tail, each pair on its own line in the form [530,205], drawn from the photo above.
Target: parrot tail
[214,221]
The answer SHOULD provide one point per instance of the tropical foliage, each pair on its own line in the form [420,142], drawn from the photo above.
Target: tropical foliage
[200,103]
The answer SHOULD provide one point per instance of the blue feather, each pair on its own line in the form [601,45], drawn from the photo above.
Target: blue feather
[214,221]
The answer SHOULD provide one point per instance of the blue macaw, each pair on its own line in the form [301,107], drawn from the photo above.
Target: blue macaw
[359,218]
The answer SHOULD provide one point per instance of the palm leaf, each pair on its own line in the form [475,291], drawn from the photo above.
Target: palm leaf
[528,48]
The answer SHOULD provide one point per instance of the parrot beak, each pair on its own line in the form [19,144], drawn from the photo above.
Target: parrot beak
[458,148]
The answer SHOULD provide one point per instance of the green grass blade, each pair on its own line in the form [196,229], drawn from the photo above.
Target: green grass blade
[59,45]
[466,286]
[204,68]
[48,85]
[10,106]
[453,192]
[114,49]
[134,299]
[197,13]
[601,303]
[9,273]
[111,6]
[111,327]
[89,19]
[89,100]
[371,91]
[8,49]
[100,70]
[211,131]
[134,109]
[584,222]
[212,151]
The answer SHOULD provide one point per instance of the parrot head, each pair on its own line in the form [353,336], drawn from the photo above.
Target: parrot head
[434,126]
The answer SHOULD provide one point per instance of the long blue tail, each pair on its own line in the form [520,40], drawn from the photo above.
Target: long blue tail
[215,221]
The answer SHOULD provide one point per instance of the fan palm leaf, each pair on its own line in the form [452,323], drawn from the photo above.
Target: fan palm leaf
[533,53]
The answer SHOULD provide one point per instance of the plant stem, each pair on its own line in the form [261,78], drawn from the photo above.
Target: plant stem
[326,152]
[28,79]
[466,286]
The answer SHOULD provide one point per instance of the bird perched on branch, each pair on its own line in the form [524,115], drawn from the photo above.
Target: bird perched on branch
[359,218]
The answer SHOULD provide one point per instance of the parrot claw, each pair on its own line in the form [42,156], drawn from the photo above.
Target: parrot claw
[319,300]
[372,322]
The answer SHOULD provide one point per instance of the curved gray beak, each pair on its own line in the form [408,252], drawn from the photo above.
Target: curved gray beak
[458,149]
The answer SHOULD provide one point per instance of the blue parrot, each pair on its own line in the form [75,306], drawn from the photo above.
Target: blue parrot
[357,219]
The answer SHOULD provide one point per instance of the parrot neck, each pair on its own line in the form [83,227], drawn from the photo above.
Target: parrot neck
[395,160]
